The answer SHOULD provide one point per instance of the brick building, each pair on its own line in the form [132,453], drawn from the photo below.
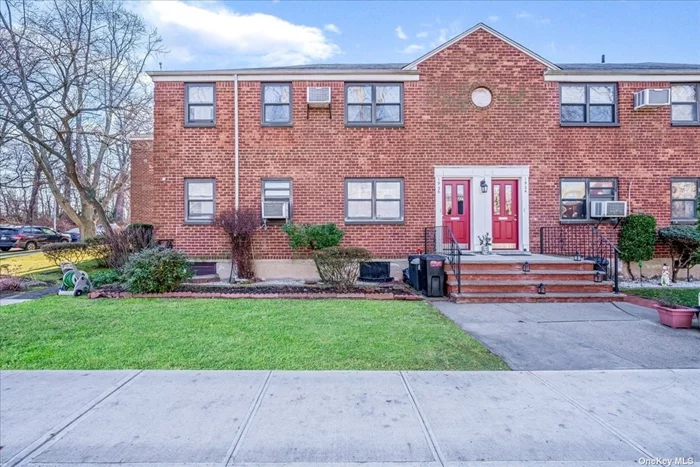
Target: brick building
[480,134]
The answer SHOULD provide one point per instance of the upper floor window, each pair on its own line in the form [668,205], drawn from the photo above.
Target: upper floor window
[199,200]
[588,104]
[276,104]
[578,193]
[200,104]
[374,104]
[685,104]
[374,200]
[684,199]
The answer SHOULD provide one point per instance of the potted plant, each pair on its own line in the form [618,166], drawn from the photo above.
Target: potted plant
[486,241]
[674,315]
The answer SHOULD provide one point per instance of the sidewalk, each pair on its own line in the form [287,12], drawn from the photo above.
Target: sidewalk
[215,418]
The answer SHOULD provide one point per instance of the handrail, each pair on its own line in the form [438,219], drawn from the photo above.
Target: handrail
[441,240]
[587,241]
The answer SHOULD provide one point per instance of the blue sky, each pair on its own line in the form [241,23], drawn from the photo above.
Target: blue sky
[222,34]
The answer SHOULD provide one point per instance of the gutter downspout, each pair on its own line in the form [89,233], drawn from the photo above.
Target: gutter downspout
[235,135]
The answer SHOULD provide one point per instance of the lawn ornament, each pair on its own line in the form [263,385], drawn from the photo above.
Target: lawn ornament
[75,282]
[665,276]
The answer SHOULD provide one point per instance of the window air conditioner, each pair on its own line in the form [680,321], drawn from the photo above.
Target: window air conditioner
[318,96]
[276,210]
[602,209]
[649,98]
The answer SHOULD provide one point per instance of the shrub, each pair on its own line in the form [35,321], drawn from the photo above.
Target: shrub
[123,243]
[98,250]
[58,253]
[156,270]
[340,265]
[312,236]
[101,278]
[637,239]
[684,244]
[11,284]
[240,227]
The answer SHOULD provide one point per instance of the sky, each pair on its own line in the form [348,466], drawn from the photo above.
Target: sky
[230,34]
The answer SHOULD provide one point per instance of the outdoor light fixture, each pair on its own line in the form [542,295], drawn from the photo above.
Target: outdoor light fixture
[598,277]
[577,256]
[526,267]
[484,186]
[541,289]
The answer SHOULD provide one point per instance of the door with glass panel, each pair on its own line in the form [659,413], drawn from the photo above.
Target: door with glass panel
[455,209]
[504,214]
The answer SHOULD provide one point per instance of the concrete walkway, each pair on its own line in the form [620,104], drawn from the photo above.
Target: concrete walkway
[406,419]
[577,336]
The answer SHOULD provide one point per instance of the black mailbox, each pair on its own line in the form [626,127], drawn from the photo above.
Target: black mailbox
[432,269]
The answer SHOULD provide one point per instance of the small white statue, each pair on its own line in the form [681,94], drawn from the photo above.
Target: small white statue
[665,276]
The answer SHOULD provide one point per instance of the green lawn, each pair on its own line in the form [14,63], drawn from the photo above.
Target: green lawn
[77,333]
[680,296]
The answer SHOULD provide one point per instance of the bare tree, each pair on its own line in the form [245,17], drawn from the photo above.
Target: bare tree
[71,83]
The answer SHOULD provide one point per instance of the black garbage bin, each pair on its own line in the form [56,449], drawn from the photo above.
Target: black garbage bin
[414,271]
[432,268]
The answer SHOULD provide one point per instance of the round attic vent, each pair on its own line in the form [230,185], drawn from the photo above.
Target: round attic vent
[481,97]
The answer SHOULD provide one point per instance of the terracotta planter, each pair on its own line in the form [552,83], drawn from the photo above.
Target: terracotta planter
[676,317]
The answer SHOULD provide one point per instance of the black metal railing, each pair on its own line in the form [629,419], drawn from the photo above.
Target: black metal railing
[441,241]
[587,241]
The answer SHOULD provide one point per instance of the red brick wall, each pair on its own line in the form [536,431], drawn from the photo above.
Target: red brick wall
[141,184]
[442,127]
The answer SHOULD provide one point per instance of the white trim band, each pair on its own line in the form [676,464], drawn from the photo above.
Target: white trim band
[610,78]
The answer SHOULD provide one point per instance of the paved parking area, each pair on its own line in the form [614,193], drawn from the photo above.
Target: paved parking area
[577,336]
[341,418]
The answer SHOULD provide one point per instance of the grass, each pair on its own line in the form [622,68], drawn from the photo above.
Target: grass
[688,297]
[77,333]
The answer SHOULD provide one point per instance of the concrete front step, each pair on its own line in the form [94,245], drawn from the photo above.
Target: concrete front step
[568,265]
[530,286]
[537,275]
[534,297]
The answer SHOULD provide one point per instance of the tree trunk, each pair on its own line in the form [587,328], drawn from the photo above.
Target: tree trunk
[629,270]
[33,197]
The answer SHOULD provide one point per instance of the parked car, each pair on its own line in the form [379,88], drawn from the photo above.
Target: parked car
[74,234]
[29,237]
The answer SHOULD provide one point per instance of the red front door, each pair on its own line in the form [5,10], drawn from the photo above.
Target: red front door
[504,207]
[455,209]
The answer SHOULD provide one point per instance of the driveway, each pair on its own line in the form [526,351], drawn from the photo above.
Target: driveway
[577,336]
[347,418]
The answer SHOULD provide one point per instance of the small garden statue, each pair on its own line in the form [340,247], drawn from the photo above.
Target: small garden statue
[665,276]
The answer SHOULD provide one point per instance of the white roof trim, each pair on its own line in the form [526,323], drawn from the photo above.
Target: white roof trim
[309,76]
[141,138]
[614,78]
[526,51]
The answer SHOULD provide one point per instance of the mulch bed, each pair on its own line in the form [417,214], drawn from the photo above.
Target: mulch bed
[383,292]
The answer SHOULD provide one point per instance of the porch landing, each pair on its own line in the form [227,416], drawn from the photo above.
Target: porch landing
[500,278]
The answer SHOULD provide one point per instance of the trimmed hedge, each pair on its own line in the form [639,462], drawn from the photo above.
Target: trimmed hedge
[340,265]
[58,253]
[312,236]
[637,239]
[684,243]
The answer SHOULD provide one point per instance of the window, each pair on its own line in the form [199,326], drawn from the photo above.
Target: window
[578,193]
[200,104]
[199,200]
[276,104]
[684,199]
[374,200]
[374,104]
[277,198]
[685,104]
[588,104]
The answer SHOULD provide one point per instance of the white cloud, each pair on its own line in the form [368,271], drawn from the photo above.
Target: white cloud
[258,38]
[412,49]
[524,15]
[538,20]
[400,34]
[422,34]
[494,18]
[332,28]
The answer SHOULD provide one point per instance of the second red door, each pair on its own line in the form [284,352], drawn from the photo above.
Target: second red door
[504,213]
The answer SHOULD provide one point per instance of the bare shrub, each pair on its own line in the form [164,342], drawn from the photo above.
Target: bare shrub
[123,243]
[240,227]
[340,265]
[58,253]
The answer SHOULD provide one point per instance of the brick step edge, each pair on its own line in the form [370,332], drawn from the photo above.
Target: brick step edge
[535,298]
[298,296]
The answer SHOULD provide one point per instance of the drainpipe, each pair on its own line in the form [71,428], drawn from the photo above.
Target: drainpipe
[235,135]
